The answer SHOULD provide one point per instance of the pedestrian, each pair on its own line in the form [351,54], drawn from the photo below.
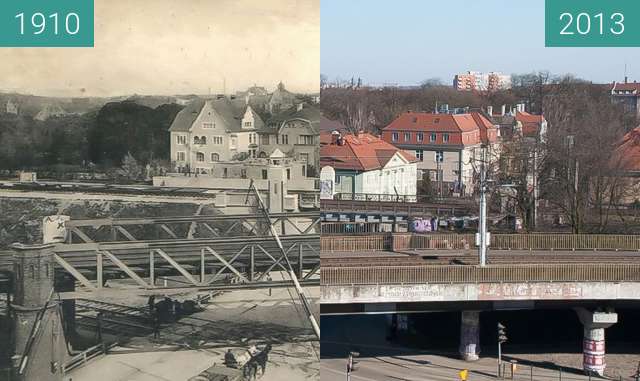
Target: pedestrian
[156,325]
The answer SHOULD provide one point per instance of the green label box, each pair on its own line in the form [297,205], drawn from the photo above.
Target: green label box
[46,23]
[592,23]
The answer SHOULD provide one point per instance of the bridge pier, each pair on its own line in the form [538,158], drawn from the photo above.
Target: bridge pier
[470,335]
[40,345]
[593,345]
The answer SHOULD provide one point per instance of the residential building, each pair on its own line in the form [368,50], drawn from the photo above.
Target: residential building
[281,100]
[50,111]
[628,94]
[365,164]
[518,122]
[477,81]
[447,146]
[296,133]
[207,131]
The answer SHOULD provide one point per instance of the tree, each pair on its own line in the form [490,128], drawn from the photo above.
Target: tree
[130,168]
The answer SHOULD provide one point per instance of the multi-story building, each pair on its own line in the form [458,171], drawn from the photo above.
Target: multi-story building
[365,164]
[207,131]
[476,81]
[628,94]
[447,146]
[295,132]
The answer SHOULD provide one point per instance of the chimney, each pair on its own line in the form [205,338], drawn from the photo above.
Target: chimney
[490,110]
[626,79]
[503,110]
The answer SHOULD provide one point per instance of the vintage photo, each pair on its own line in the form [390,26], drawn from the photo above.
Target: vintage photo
[159,196]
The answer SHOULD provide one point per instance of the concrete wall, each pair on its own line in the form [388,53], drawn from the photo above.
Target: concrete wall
[479,292]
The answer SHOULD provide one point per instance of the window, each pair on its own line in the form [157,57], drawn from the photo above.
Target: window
[208,125]
[217,140]
[199,156]
[420,154]
[264,174]
[305,140]
[225,172]
[250,138]
[264,139]
[180,156]
[203,140]
[445,138]
[285,139]
[407,136]
[433,137]
[215,157]
[420,137]
[288,174]
[439,158]
[181,139]
[243,173]
[247,124]
[395,137]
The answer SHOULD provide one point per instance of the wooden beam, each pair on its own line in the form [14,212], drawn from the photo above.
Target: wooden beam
[81,234]
[168,231]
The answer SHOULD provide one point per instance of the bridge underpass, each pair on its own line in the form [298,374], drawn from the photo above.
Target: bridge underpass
[401,273]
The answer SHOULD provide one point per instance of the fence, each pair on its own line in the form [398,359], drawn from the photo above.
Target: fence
[377,242]
[524,273]
[523,241]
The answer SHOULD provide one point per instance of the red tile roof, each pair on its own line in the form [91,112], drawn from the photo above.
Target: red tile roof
[530,123]
[364,152]
[430,122]
[626,87]
[627,155]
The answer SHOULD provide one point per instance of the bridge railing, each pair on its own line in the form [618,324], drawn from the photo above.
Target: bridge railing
[516,273]
[379,242]
[521,241]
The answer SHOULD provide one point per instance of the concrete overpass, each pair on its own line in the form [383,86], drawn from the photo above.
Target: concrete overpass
[401,273]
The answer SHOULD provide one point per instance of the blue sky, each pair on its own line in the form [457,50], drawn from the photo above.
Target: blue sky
[407,41]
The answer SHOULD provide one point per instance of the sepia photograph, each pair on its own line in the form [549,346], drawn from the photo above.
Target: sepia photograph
[159,194]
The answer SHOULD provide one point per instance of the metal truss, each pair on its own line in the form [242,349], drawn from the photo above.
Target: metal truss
[189,227]
[195,263]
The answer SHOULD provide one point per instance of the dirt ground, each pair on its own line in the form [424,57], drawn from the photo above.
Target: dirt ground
[232,320]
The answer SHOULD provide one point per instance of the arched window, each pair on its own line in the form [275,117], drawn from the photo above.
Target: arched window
[199,156]
[215,157]
[203,140]
[196,140]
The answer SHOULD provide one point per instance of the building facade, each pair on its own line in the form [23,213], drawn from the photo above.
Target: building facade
[296,132]
[476,81]
[207,131]
[364,164]
[447,146]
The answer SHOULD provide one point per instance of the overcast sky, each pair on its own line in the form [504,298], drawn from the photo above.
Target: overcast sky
[178,47]
[408,41]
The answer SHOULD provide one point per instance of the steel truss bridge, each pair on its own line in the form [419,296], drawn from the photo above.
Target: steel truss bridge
[198,252]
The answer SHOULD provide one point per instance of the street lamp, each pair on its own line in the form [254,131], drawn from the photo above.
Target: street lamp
[502,337]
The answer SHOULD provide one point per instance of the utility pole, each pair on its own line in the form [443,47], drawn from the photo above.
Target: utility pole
[482,237]
[502,337]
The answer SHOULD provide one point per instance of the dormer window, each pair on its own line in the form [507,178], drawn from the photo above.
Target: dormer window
[247,124]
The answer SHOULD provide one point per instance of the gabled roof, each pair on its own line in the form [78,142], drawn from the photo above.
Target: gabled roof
[530,123]
[364,152]
[633,87]
[230,110]
[430,122]
[310,113]
[627,154]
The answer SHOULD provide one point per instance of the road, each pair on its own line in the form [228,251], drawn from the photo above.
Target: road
[421,367]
